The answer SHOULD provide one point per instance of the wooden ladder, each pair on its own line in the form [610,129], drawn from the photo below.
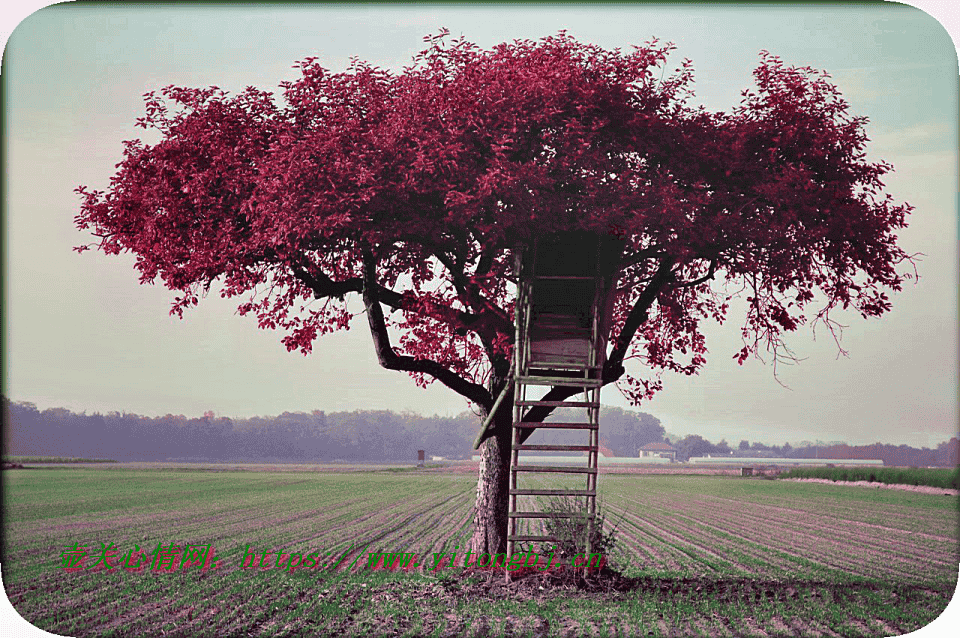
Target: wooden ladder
[575,362]
[591,402]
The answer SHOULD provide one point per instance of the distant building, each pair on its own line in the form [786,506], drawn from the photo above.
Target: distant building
[659,449]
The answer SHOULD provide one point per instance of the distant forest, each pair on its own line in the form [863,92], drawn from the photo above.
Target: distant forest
[318,436]
[370,435]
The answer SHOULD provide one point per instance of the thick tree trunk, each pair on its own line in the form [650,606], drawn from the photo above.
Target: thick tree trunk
[490,517]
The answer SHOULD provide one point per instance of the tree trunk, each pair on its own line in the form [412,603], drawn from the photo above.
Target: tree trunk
[490,519]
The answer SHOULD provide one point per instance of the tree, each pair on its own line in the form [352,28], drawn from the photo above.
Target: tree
[414,190]
[694,445]
[625,431]
[744,445]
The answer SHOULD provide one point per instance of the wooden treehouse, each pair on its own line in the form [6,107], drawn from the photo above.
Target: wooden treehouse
[563,316]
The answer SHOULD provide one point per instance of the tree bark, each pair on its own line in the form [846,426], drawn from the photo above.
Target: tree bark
[490,514]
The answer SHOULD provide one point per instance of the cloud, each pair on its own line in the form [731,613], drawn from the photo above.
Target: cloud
[923,138]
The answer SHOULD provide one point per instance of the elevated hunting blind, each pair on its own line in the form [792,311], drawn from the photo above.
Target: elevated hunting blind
[563,317]
[564,303]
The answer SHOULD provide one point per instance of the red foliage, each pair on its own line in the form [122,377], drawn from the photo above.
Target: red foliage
[435,173]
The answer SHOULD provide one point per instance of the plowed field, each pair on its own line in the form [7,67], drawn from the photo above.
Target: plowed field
[708,555]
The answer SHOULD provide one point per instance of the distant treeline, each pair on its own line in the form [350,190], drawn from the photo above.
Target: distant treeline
[947,454]
[53,459]
[370,435]
[318,436]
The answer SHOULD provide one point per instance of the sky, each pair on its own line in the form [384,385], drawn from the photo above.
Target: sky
[80,332]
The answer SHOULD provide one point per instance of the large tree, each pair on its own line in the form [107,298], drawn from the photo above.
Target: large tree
[413,189]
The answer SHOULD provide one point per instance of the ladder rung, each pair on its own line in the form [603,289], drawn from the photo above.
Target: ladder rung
[565,448]
[561,404]
[547,515]
[532,492]
[562,426]
[525,537]
[553,468]
[566,381]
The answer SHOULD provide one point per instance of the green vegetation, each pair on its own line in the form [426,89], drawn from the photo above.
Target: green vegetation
[707,555]
[572,532]
[52,459]
[934,477]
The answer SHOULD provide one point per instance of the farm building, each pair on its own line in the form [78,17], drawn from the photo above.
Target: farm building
[658,449]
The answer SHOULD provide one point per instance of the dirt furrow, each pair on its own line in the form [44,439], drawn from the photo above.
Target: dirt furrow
[872,550]
[799,531]
[676,540]
[907,557]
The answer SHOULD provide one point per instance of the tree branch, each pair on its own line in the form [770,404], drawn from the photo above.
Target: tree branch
[641,255]
[469,293]
[638,314]
[699,280]
[390,360]
[323,286]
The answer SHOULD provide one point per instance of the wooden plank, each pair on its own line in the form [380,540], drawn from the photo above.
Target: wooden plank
[554,468]
[559,349]
[538,492]
[557,316]
[556,426]
[566,278]
[560,404]
[575,366]
[547,515]
[564,448]
[558,324]
[564,381]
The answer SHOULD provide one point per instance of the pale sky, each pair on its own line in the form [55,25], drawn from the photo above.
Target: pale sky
[81,333]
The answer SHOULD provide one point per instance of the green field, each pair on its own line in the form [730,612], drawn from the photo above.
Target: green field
[709,555]
[930,476]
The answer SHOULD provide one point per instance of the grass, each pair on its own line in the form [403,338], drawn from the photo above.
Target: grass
[53,459]
[710,555]
[933,477]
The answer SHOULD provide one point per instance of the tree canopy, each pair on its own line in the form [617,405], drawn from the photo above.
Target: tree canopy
[414,188]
